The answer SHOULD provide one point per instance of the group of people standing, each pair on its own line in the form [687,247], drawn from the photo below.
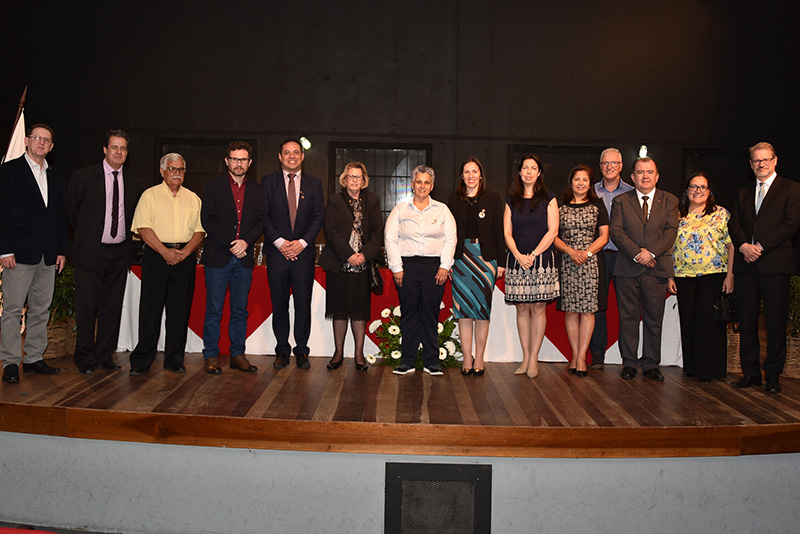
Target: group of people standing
[567,249]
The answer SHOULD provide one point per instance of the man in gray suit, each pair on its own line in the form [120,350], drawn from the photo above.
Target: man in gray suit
[644,225]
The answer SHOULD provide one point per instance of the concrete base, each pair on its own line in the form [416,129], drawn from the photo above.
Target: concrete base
[165,489]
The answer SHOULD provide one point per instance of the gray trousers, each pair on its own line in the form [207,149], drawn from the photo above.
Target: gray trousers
[36,283]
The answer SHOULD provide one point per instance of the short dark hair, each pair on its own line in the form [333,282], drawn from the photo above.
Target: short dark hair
[568,195]
[117,133]
[40,125]
[644,160]
[291,140]
[239,145]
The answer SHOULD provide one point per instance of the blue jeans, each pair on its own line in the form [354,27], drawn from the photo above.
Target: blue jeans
[218,281]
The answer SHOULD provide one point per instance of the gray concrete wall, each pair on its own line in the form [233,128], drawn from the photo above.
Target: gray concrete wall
[165,489]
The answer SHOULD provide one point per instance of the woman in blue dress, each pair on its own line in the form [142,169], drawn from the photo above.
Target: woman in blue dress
[530,225]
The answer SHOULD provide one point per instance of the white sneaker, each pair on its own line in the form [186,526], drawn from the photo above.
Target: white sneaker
[433,371]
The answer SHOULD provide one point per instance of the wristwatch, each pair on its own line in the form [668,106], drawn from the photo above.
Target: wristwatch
[589,253]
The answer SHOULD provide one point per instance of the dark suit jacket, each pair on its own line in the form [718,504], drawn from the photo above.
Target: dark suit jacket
[630,232]
[85,207]
[310,211]
[218,215]
[28,228]
[338,224]
[490,227]
[774,226]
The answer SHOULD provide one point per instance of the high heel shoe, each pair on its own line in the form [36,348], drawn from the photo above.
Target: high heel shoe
[572,370]
[581,374]
[362,367]
[465,371]
[478,372]
[335,364]
[533,374]
[520,371]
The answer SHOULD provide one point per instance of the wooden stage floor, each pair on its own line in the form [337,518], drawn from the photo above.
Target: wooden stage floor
[498,414]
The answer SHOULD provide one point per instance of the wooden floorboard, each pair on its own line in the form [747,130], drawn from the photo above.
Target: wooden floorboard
[497,414]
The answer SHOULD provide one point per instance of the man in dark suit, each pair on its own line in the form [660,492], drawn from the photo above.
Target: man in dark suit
[765,217]
[644,225]
[99,205]
[34,243]
[233,217]
[294,210]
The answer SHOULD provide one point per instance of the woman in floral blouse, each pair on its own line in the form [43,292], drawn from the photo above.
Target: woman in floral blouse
[703,255]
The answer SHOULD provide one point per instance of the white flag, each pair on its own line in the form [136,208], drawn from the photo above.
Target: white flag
[16,147]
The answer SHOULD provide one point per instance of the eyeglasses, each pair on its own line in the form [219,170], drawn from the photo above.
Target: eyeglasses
[700,188]
[610,163]
[46,140]
[238,160]
[173,170]
[759,162]
[355,177]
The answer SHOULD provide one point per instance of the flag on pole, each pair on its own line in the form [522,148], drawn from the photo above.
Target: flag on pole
[16,147]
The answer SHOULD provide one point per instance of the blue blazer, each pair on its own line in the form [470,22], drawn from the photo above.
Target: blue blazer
[310,212]
[28,228]
[218,215]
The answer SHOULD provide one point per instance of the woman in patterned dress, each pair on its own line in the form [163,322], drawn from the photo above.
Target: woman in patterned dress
[530,224]
[583,232]
[480,258]
[353,226]
[703,254]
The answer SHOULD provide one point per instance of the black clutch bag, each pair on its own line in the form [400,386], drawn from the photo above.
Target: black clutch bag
[375,278]
[725,309]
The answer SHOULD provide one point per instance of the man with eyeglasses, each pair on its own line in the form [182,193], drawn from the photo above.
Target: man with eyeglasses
[233,218]
[34,243]
[644,225]
[167,218]
[765,217]
[294,208]
[99,205]
[610,187]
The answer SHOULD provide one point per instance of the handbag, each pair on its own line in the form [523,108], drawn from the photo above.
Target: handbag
[375,278]
[725,309]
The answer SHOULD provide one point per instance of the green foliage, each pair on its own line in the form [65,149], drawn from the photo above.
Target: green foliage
[63,304]
[389,336]
[793,323]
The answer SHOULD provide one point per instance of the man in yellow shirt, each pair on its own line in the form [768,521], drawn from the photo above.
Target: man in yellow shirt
[167,218]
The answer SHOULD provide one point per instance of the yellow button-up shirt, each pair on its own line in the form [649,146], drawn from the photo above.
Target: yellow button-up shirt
[174,219]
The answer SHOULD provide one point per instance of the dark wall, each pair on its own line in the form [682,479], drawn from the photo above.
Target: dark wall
[468,77]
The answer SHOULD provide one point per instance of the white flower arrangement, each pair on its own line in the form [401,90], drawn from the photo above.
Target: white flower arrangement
[386,313]
[374,325]
[396,311]
[396,354]
[394,329]
[451,347]
[442,353]
[371,359]
[439,328]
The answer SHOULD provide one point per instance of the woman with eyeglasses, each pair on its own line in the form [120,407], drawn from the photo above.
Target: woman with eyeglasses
[703,255]
[353,227]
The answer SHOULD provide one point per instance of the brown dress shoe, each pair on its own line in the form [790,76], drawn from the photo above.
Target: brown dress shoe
[241,363]
[212,366]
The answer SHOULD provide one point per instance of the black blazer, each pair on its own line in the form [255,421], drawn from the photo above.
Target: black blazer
[310,211]
[774,226]
[218,215]
[85,208]
[490,227]
[28,228]
[338,224]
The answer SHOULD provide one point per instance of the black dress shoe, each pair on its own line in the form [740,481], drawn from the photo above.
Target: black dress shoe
[11,373]
[281,361]
[689,375]
[628,372]
[362,367]
[137,372]
[704,380]
[746,381]
[39,367]
[478,372]
[572,370]
[334,363]
[110,365]
[86,370]
[175,368]
[302,361]
[773,386]
[466,372]
[581,374]
[653,374]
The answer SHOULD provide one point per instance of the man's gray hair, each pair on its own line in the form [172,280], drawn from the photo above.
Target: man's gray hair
[610,149]
[423,169]
[172,156]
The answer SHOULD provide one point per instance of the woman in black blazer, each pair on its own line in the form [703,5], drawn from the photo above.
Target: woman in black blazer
[353,227]
[479,260]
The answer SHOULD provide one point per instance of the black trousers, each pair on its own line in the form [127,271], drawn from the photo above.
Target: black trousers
[99,292]
[419,310]
[773,289]
[294,278]
[163,285]
[704,341]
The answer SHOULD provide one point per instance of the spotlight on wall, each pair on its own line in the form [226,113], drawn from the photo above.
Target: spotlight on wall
[643,151]
[305,142]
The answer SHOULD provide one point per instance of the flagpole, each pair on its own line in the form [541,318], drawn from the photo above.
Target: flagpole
[16,119]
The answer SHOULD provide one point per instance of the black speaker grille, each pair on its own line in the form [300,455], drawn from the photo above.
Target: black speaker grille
[442,506]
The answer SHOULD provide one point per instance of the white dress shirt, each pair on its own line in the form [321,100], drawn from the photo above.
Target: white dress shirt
[411,232]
